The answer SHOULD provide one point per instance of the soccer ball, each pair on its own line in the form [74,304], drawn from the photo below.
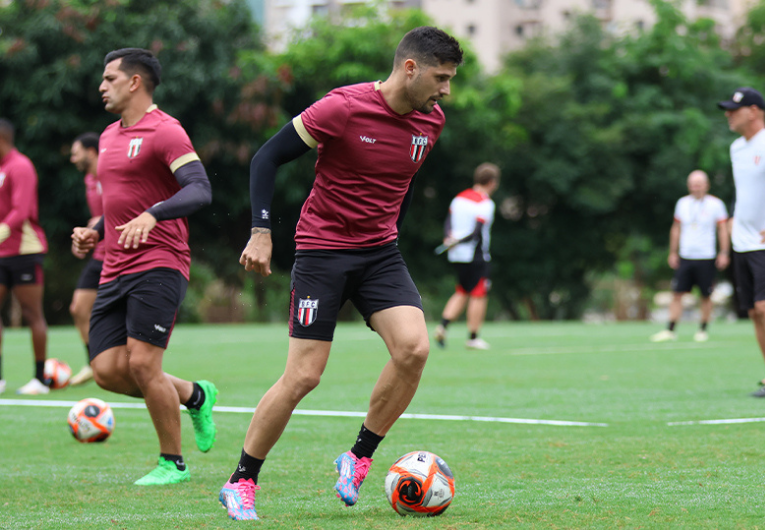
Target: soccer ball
[420,483]
[57,373]
[91,420]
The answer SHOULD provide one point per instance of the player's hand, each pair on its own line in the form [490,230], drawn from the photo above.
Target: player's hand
[722,261]
[257,254]
[77,254]
[449,242]
[136,231]
[83,240]
[763,236]
[673,260]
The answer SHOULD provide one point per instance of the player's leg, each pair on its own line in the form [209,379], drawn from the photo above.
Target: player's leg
[706,271]
[452,311]
[30,297]
[476,312]
[80,308]
[682,283]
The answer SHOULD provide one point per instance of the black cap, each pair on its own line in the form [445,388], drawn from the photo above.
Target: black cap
[743,97]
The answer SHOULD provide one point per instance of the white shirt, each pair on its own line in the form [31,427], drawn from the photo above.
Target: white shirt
[698,220]
[466,210]
[748,161]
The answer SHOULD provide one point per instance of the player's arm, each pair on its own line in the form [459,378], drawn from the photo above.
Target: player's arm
[23,197]
[195,193]
[285,146]
[674,244]
[723,241]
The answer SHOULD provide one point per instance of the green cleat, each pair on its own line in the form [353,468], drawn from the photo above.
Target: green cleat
[204,426]
[165,473]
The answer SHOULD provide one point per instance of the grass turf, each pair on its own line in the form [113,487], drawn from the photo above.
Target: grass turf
[638,472]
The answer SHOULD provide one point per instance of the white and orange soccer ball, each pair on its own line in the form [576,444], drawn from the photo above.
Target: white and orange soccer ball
[91,420]
[420,483]
[57,373]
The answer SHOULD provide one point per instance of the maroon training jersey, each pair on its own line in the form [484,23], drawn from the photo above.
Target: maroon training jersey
[94,196]
[368,155]
[20,230]
[135,167]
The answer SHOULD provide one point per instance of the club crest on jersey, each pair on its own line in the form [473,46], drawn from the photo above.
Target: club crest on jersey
[307,311]
[135,147]
[419,143]
[757,160]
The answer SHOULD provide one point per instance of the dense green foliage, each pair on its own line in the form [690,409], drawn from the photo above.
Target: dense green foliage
[595,133]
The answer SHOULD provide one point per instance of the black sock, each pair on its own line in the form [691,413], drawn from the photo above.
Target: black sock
[248,468]
[87,354]
[703,326]
[197,398]
[40,370]
[473,336]
[175,459]
[671,326]
[445,322]
[366,443]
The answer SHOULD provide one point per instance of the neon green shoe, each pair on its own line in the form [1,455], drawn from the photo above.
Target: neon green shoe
[165,473]
[204,426]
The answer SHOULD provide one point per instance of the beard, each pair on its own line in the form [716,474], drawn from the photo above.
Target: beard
[416,102]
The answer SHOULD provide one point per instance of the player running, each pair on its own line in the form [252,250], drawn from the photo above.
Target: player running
[152,179]
[372,139]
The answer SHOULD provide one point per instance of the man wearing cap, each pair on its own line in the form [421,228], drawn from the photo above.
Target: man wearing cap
[745,111]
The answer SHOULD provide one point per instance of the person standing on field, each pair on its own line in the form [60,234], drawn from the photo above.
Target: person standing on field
[467,233]
[372,138]
[745,111]
[84,155]
[699,217]
[152,179]
[22,249]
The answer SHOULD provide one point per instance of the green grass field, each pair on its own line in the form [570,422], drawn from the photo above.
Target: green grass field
[639,471]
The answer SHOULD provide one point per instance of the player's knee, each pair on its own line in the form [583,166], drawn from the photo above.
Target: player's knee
[759,310]
[142,368]
[300,384]
[414,354]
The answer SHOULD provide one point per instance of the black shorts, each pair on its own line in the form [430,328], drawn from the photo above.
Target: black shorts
[90,275]
[749,269]
[142,306]
[692,272]
[22,270]
[323,280]
[473,278]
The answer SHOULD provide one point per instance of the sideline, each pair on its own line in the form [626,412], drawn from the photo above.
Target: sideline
[330,413]
[716,422]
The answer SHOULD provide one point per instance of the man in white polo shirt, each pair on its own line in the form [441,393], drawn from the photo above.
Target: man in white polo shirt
[746,116]
[699,217]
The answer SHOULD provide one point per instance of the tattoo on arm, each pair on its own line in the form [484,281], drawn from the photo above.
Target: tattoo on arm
[259,230]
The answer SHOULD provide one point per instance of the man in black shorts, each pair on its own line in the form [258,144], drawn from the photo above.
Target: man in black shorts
[84,155]
[372,139]
[22,249]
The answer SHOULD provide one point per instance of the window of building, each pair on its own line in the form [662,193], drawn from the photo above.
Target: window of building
[471,30]
[519,30]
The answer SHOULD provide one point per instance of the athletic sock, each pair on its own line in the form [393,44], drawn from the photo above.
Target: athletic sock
[473,336]
[175,459]
[703,326]
[248,468]
[672,326]
[40,370]
[366,443]
[445,322]
[87,354]
[197,398]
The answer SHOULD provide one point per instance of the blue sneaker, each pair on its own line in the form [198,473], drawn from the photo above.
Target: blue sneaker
[352,471]
[239,499]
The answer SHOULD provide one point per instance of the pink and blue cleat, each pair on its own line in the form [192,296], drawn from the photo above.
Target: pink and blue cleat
[352,472]
[239,499]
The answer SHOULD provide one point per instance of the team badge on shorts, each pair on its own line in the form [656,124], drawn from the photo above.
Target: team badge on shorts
[419,143]
[307,311]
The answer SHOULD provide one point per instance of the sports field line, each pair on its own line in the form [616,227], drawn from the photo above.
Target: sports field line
[330,413]
[622,348]
[716,422]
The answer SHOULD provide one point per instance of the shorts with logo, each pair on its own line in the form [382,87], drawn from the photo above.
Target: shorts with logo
[373,279]
[473,278]
[142,306]
[26,269]
[90,275]
[692,272]
[749,269]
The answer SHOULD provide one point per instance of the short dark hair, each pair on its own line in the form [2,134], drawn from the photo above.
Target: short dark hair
[138,61]
[7,130]
[486,173]
[428,46]
[89,140]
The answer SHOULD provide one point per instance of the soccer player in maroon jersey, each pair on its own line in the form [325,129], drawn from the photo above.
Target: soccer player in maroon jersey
[22,249]
[372,139]
[84,155]
[152,179]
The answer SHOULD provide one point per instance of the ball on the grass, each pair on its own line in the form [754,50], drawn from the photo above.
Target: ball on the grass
[91,420]
[57,373]
[420,483]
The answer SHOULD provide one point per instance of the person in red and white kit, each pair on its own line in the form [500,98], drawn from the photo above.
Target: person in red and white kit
[745,111]
[467,234]
[84,155]
[700,222]
[152,179]
[372,138]
[22,249]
